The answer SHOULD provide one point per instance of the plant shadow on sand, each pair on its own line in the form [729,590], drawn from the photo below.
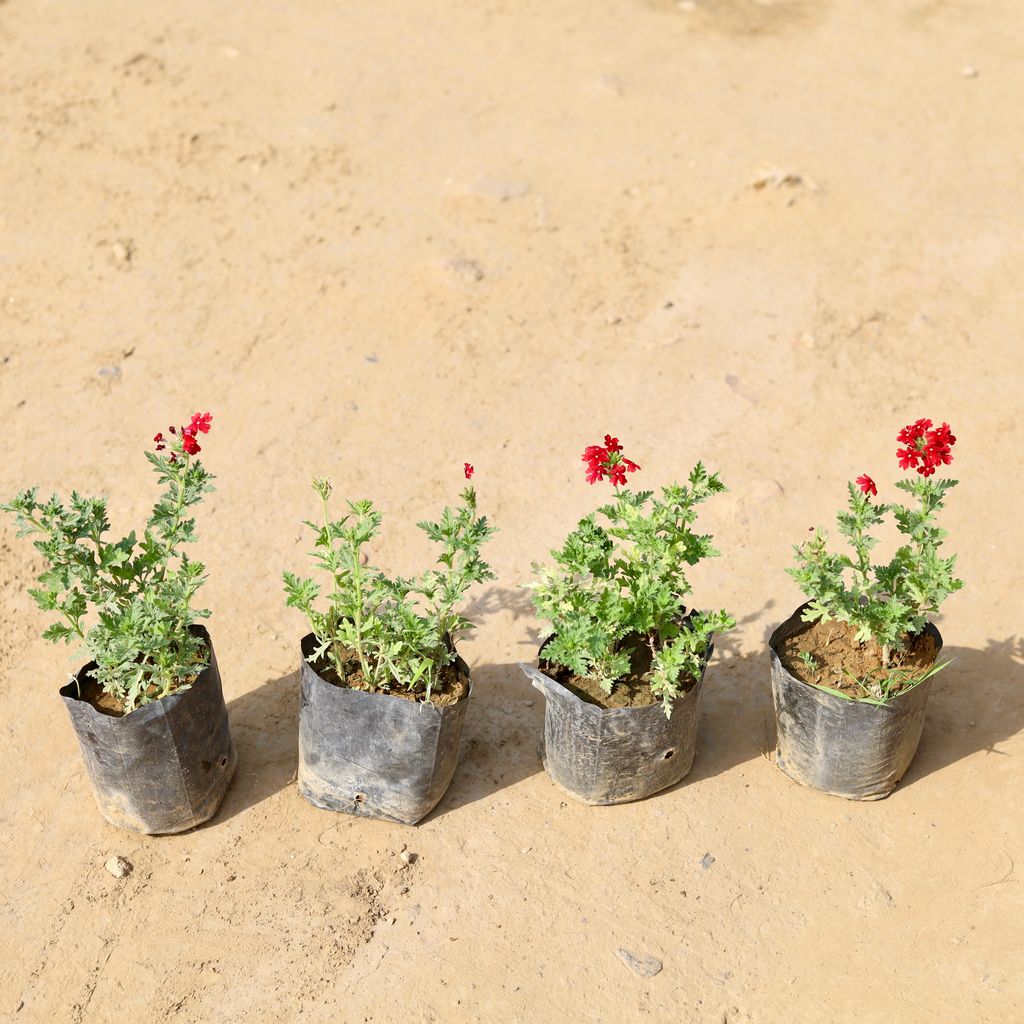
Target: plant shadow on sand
[737,720]
[505,718]
[500,739]
[265,730]
[976,703]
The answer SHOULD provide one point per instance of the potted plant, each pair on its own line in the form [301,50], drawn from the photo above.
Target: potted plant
[852,667]
[383,689]
[148,709]
[622,664]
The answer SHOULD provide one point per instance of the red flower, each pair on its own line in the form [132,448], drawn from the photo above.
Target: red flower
[925,448]
[867,485]
[607,461]
[468,470]
[617,475]
[190,444]
[200,423]
[940,441]
[594,456]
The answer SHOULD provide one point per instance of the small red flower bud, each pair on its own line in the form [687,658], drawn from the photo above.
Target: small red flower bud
[468,470]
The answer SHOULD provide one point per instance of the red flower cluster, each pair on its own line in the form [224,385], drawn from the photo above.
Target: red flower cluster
[200,424]
[608,461]
[468,470]
[867,485]
[925,447]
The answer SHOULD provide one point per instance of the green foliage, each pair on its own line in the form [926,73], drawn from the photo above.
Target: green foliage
[396,632]
[809,660]
[615,582]
[127,602]
[886,602]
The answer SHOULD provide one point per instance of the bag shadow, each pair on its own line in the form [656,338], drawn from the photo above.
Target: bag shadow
[976,703]
[500,739]
[265,730]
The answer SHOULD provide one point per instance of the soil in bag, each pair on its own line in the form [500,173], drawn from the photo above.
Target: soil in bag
[631,691]
[841,662]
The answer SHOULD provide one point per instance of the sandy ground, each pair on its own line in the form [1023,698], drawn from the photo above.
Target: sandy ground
[380,239]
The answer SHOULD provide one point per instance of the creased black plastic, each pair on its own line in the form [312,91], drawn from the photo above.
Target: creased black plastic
[616,755]
[166,766]
[843,747]
[372,754]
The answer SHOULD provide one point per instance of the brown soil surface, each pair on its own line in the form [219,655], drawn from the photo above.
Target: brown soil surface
[451,689]
[633,691]
[105,703]
[627,693]
[378,240]
[856,669]
[108,704]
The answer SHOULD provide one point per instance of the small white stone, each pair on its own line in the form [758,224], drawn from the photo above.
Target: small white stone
[122,252]
[969,71]
[502,189]
[408,857]
[641,964]
[119,867]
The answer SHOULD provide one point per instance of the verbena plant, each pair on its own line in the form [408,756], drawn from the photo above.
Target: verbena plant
[621,583]
[892,601]
[127,603]
[398,633]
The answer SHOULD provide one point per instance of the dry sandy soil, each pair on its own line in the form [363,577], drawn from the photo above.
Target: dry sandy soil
[380,239]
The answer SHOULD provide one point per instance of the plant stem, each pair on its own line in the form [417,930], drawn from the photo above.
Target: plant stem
[175,522]
[357,614]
